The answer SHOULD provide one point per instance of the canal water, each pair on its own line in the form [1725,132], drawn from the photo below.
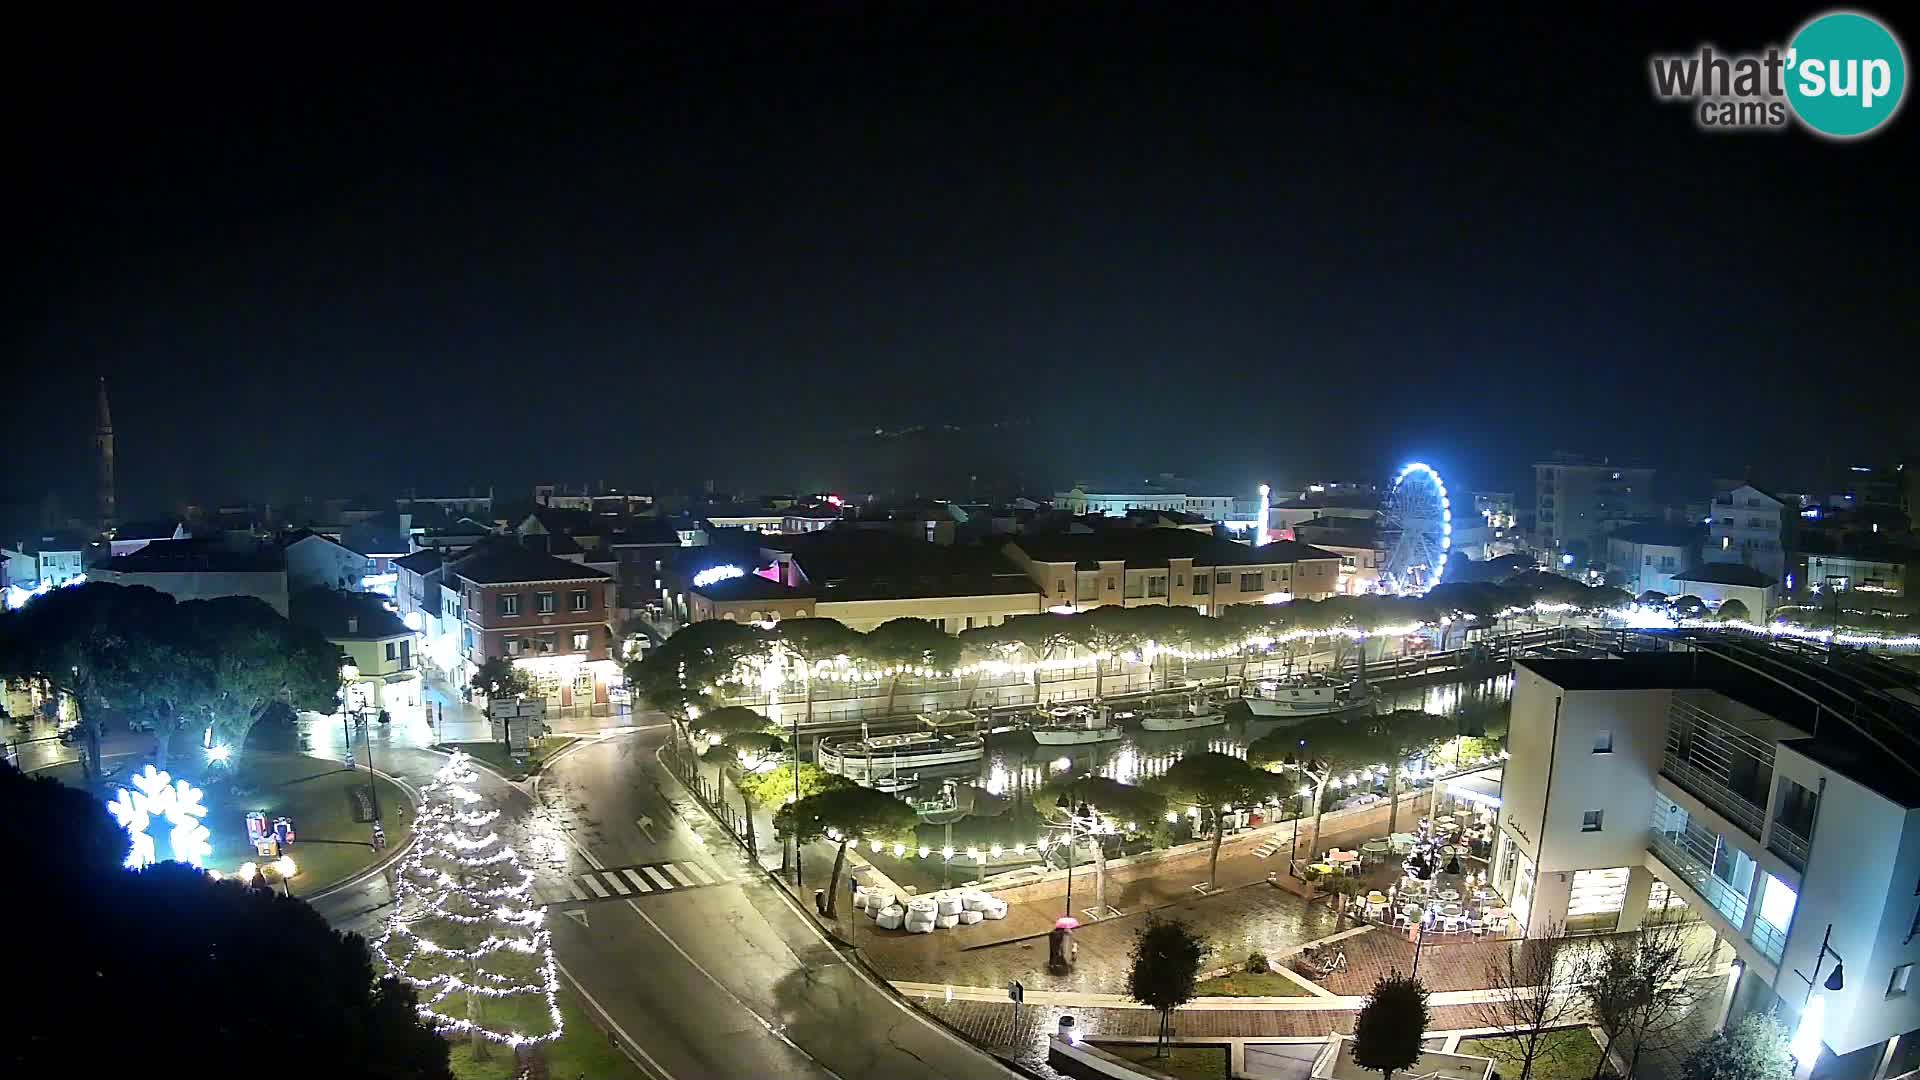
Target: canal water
[1015,766]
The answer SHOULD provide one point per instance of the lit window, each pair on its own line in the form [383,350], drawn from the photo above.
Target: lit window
[544,602]
[580,640]
[577,600]
[509,603]
[1590,821]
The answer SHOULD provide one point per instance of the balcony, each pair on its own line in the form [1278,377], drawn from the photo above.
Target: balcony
[1720,764]
[1789,845]
[1724,800]
[1769,939]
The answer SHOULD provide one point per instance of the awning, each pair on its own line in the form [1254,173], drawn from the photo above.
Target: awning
[1482,787]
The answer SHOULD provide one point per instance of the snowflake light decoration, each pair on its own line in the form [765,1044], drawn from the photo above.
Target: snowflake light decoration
[155,794]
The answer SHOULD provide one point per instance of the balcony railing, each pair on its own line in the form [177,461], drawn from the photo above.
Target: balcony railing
[1724,898]
[1769,939]
[1734,806]
[1789,845]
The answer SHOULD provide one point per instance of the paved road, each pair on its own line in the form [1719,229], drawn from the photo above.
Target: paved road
[727,979]
[705,967]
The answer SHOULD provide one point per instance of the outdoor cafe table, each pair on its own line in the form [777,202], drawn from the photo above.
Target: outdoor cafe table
[1342,858]
[1449,895]
[1376,848]
[1453,850]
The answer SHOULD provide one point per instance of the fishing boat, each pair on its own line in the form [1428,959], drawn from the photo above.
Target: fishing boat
[1298,697]
[1185,716]
[949,739]
[1074,725]
[894,784]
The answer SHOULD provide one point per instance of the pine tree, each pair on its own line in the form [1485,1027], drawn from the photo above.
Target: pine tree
[465,930]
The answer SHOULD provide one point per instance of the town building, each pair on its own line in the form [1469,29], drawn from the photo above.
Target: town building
[450,506]
[131,537]
[200,570]
[1578,501]
[1751,527]
[315,561]
[379,644]
[1356,541]
[1717,583]
[1137,567]
[1646,557]
[50,559]
[1773,795]
[1496,508]
[549,616]
[1116,502]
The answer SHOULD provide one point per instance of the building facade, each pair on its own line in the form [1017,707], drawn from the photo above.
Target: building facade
[1578,501]
[1753,528]
[548,616]
[1741,785]
[1646,557]
[1135,568]
[1080,501]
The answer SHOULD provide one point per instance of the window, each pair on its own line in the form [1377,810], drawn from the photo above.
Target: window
[1180,580]
[1222,578]
[546,644]
[1590,821]
[577,600]
[510,603]
[581,640]
[393,650]
[1603,742]
[1897,986]
[1250,582]
[543,602]
[1060,585]
[1200,584]
[1109,583]
[512,645]
[466,638]
[1157,585]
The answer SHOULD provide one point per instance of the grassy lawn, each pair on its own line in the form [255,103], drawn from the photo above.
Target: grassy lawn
[1566,1054]
[1185,1062]
[494,755]
[583,1050]
[1242,984]
[314,792]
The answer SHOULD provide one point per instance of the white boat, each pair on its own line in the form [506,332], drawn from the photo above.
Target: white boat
[893,785]
[1186,716]
[1297,697]
[867,758]
[1074,725]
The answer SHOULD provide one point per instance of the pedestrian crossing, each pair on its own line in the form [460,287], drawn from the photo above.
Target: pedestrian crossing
[629,882]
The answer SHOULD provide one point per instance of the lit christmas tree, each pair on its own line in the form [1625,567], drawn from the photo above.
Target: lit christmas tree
[465,930]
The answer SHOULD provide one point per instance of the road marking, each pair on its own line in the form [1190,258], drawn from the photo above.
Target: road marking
[658,878]
[705,878]
[577,916]
[645,825]
[614,1024]
[678,876]
[638,881]
[618,885]
[574,888]
[593,883]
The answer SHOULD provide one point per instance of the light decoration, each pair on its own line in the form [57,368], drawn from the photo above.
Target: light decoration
[464,924]
[155,794]
[219,755]
[714,574]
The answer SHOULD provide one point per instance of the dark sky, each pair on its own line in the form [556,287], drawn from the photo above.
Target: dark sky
[337,253]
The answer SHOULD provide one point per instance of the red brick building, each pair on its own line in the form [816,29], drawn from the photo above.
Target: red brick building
[551,617]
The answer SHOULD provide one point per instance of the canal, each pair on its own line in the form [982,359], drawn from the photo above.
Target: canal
[1014,767]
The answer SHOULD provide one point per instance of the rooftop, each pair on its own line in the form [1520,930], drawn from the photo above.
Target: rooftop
[196,556]
[506,564]
[424,561]
[1660,535]
[1147,548]
[1727,574]
[328,611]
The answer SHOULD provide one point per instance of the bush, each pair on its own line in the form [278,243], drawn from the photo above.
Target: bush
[1257,963]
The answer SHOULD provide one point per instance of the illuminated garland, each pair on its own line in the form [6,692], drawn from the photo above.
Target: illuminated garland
[462,874]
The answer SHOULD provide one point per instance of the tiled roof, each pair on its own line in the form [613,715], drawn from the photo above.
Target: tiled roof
[507,564]
[1727,574]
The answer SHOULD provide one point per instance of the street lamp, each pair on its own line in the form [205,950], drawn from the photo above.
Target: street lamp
[1077,822]
[1805,1046]
[1318,772]
[355,702]
[285,867]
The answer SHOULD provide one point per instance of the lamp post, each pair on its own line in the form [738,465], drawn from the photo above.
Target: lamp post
[1319,773]
[356,704]
[1806,1043]
[349,674]
[1077,821]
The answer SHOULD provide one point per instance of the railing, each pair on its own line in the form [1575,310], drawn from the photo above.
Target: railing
[1789,845]
[1699,875]
[1729,803]
[1769,939]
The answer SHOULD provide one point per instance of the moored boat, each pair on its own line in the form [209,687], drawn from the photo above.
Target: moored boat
[1074,725]
[1185,716]
[1298,697]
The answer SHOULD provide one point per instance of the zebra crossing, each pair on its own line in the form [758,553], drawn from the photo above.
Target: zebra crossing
[628,882]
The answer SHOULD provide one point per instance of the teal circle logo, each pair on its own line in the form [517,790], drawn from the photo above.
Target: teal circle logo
[1846,74]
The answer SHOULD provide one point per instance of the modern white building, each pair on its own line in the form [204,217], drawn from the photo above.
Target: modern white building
[1774,797]
[1577,501]
[1717,583]
[50,559]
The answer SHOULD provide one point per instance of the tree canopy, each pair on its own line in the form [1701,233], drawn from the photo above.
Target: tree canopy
[186,957]
[1388,1032]
[499,677]
[727,720]
[1166,967]
[1754,1048]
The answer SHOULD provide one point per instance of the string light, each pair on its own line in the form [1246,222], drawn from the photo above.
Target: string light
[460,874]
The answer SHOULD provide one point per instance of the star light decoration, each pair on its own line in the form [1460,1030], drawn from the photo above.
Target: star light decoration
[464,924]
[155,794]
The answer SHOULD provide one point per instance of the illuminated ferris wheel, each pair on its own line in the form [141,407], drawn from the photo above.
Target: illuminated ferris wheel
[1416,529]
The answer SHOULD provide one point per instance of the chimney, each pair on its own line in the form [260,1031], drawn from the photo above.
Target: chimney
[353,624]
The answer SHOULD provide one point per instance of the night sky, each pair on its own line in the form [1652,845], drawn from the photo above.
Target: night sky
[341,254]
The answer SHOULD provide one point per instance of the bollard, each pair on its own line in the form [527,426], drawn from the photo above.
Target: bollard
[1067,1031]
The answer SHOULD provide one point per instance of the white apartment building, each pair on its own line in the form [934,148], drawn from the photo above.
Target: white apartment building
[1750,526]
[1577,501]
[1775,797]
[1647,557]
